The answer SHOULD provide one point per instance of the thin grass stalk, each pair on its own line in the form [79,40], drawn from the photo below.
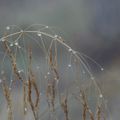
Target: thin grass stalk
[13,60]
[64,105]
[86,107]
[7,96]
[32,83]
[98,113]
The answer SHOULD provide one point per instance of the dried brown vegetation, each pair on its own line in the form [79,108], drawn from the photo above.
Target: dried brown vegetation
[8,98]
[32,100]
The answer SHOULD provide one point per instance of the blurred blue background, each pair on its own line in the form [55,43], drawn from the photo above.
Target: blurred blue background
[90,26]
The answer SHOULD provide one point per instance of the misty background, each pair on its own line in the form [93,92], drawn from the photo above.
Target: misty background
[89,26]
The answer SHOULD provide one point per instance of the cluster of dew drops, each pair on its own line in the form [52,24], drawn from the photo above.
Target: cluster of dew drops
[56,37]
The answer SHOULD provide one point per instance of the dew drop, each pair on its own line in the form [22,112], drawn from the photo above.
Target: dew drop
[3,40]
[101,96]
[46,26]
[60,37]
[16,43]
[25,109]
[55,78]
[69,65]
[39,34]
[48,73]
[7,28]
[74,52]
[21,30]
[102,69]
[56,36]
[80,95]
[11,45]
[69,49]
[19,71]
[11,80]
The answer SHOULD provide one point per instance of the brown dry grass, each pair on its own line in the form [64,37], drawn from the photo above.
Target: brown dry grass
[33,102]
